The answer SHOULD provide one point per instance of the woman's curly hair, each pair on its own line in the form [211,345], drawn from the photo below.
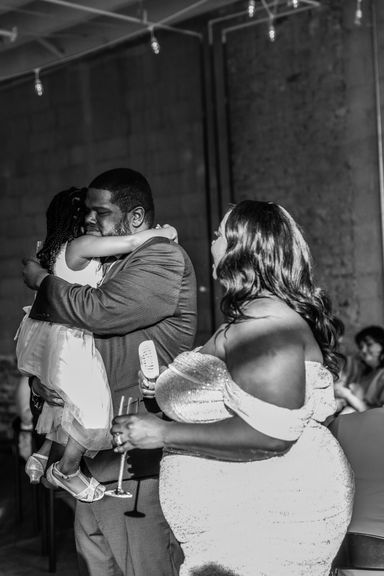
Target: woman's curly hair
[65,217]
[266,251]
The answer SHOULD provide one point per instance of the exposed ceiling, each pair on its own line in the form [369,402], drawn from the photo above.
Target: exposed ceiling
[44,33]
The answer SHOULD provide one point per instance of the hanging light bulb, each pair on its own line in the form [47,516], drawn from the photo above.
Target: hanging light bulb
[271,30]
[295,3]
[39,88]
[251,8]
[154,43]
[359,12]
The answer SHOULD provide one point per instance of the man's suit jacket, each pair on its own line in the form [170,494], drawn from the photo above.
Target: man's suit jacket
[148,294]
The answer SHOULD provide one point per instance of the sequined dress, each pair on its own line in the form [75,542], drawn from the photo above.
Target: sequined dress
[66,360]
[284,516]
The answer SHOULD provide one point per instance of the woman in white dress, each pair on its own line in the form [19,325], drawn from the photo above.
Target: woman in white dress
[65,359]
[252,483]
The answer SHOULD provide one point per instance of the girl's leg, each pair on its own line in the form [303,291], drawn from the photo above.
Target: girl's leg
[70,460]
[66,474]
[44,449]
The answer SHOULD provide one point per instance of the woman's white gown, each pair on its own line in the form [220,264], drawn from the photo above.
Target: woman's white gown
[284,516]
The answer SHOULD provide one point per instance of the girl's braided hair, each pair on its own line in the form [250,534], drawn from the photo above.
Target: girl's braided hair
[65,216]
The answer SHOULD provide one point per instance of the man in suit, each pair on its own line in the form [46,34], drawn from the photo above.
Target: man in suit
[147,294]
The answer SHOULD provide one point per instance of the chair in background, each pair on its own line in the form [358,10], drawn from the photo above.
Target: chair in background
[360,552]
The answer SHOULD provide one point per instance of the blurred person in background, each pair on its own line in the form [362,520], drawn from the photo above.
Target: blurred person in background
[361,384]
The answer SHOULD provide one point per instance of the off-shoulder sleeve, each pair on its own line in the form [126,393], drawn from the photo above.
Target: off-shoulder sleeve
[279,422]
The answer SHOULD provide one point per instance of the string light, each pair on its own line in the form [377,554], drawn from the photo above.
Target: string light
[359,12]
[39,88]
[295,3]
[251,8]
[154,43]
[271,29]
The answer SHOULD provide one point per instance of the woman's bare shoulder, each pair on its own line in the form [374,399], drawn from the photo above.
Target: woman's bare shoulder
[273,324]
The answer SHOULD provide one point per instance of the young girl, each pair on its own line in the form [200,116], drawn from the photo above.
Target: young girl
[65,359]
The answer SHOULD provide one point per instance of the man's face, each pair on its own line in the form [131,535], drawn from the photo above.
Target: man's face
[103,217]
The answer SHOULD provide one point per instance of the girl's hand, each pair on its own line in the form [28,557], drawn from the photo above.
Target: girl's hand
[139,431]
[168,231]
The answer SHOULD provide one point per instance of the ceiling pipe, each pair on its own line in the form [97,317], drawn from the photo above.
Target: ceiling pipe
[263,8]
[48,45]
[253,22]
[146,23]
[90,51]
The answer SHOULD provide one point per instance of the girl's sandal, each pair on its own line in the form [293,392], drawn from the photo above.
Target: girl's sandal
[92,492]
[35,467]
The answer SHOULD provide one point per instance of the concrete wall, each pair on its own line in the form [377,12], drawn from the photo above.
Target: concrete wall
[303,132]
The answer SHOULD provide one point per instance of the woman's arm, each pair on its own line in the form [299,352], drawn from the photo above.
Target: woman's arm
[88,246]
[346,394]
[276,374]
[231,439]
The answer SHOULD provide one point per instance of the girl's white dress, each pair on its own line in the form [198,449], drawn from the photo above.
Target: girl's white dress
[284,516]
[66,360]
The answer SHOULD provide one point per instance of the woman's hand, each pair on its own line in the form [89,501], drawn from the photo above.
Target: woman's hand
[139,431]
[147,387]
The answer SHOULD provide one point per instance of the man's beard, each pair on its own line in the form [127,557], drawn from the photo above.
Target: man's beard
[121,229]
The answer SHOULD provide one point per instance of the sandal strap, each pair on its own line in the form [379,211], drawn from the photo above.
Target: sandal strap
[39,456]
[89,491]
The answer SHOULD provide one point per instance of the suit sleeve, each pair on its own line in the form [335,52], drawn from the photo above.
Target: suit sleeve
[145,291]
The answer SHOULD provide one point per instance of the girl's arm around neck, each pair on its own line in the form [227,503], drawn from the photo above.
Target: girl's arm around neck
[87,247]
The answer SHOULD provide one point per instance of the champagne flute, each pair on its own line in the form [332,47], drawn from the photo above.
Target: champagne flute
[118,492]
[39,245]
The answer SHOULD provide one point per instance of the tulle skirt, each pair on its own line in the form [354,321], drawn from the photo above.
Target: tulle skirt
[66,360]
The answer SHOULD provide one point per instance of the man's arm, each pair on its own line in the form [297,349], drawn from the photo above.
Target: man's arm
[142,293]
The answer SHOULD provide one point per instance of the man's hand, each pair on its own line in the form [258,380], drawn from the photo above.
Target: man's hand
[50,396]
[33,273]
